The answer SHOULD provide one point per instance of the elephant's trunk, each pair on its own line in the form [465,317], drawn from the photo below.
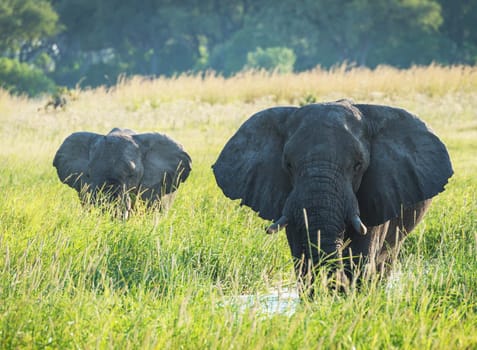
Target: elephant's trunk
[319,224]
[318,213]
[112,193]
[324,233]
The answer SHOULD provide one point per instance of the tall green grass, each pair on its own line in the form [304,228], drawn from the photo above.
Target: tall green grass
[77,278]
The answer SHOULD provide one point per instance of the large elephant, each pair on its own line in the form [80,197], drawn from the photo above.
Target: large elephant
[121,165]
[348,181]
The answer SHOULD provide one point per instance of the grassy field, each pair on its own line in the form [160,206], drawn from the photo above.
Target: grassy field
[71,278]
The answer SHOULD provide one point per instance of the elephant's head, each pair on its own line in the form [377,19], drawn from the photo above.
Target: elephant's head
[330,172]
[151,165]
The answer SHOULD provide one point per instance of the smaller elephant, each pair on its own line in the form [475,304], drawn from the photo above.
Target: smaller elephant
[122,166]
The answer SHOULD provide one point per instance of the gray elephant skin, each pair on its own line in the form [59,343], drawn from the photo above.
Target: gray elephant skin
[348,181]
[121,165]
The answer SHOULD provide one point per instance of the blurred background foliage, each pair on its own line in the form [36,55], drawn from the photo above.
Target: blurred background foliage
[48,43]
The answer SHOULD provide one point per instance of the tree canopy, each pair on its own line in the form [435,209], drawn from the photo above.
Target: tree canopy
[96,41]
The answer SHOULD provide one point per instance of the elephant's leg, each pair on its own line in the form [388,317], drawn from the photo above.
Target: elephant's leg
[378,249]
[165,202]
[296,250]
[154,200]
[365,251]
[362,251]
[373,253]
[303,266]
[396,231]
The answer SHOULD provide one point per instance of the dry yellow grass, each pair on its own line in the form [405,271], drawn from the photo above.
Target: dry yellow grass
[379,84]
[204,109]
[431,80]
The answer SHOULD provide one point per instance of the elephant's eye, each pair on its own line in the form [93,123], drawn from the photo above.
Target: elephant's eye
[357,166]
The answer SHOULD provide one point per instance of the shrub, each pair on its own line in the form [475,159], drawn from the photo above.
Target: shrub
[280,59]
[18,78]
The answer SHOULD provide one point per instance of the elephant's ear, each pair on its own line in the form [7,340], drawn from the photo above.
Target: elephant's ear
[72,158]
[250,165]
[408,164]
[165,162]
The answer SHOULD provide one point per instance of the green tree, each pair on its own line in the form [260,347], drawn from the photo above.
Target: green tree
[25,26]
[104,39]
[329,32]
[150,38]
[459,30]
[353,30]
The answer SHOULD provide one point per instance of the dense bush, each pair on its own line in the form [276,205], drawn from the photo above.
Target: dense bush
[19,78]
[280,59]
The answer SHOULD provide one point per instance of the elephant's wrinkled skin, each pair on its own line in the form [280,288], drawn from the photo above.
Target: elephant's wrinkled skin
[122,164]
[346,180]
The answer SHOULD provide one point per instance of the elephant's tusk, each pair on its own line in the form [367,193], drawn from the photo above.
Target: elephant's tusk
[277,225]
[358,225]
